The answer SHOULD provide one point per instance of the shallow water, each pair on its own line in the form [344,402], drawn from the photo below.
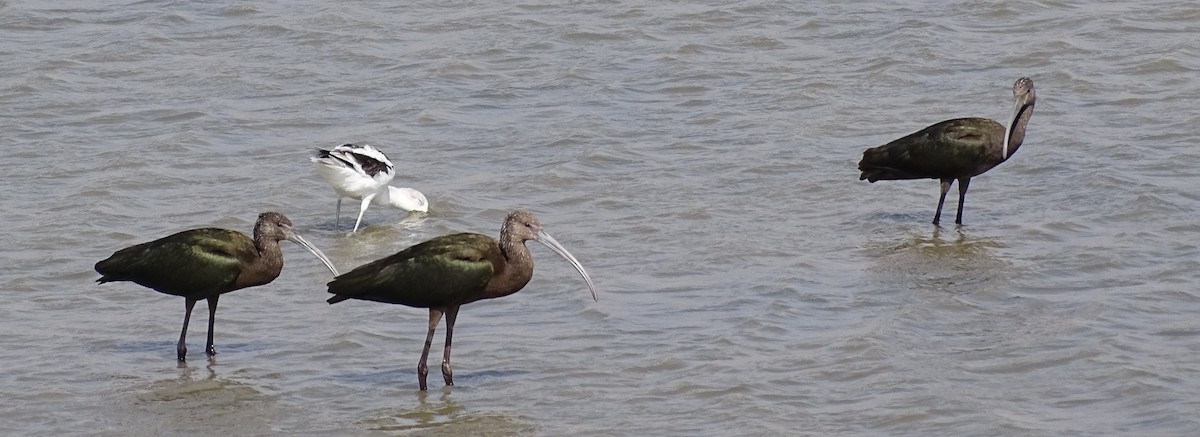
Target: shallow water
[699,159]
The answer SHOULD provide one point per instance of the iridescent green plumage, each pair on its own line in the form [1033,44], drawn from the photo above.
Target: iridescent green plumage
[196,263]
[447,270]
[952,150]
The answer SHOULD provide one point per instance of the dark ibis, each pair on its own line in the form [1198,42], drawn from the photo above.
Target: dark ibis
[206,263]
[957,149]
[363,173]
[447,272]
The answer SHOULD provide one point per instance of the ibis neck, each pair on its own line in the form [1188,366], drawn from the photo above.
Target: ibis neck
[266,266]
[1017,136]
[514,271]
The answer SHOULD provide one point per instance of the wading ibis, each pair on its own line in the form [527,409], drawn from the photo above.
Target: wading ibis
[363,173]
[205,263]
[957,149]
[447,272]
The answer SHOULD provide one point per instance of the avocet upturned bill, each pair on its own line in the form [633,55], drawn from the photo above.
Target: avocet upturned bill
[363,172]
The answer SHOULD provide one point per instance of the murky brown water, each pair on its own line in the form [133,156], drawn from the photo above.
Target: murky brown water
[698,158]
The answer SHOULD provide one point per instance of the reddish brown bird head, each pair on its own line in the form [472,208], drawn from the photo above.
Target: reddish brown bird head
[521,226]
[1024,98]
[273,226]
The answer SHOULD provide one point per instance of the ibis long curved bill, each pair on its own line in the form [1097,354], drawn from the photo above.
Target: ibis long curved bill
[296,238]
[548,241]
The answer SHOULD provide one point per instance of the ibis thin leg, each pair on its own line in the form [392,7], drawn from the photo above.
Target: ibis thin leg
[212,318]
[435,316]
[937,217]
[447,374]
[963,183]
[181,347]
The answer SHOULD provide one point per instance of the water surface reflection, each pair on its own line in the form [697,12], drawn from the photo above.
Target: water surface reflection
[445,416]
[200,401]
[951,261]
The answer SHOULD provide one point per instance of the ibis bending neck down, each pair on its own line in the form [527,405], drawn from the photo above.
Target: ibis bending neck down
[205,263]
[363,173]
[957,149]
[447,272]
